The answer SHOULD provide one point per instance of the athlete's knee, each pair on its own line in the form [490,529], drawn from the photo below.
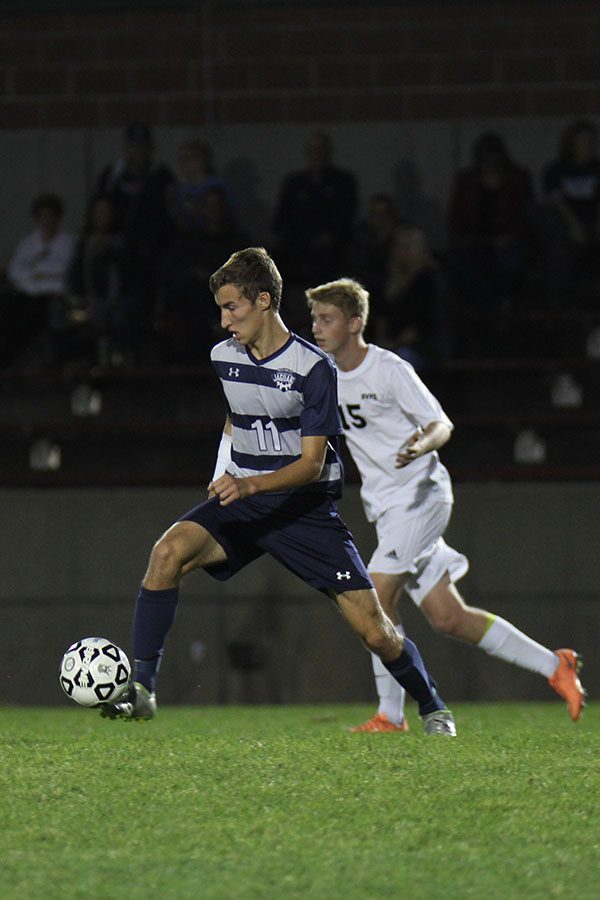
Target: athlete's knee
[381,638]
[166,555]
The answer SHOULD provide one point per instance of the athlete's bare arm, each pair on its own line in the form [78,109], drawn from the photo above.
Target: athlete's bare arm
[302,471]
[430,438]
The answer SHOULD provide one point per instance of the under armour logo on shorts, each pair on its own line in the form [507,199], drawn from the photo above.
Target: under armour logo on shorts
[234,373]
[341,575]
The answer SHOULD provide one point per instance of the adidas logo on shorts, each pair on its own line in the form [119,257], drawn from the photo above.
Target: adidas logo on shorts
[391,555]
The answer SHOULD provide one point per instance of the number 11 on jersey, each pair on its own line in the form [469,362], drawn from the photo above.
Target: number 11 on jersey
[261,436]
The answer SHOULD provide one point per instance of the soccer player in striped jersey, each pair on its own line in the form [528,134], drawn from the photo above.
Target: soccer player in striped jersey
[393,426]
[275,493]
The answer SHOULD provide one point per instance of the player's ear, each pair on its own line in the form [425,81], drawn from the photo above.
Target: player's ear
[355,324]
[264,300]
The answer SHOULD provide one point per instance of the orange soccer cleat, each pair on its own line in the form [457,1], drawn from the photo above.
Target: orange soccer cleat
[566,683]
[380,722]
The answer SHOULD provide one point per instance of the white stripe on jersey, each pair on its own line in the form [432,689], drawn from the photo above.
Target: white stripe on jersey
[383,402]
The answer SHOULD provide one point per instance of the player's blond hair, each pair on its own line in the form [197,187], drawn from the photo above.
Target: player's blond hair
[345,293]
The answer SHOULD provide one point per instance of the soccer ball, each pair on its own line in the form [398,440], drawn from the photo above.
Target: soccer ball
[94,671]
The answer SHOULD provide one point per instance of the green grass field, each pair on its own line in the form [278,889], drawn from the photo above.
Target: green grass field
[259,802]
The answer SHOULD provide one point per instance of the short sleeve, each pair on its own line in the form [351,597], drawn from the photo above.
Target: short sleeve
[413,397]
[213,359]
[320,415]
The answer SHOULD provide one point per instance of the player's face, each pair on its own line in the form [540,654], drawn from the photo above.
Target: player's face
[331,328]
[242,318]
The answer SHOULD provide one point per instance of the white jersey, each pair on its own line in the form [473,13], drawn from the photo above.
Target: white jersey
[382,403]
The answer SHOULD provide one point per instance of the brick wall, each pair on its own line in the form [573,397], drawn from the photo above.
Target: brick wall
[297,64]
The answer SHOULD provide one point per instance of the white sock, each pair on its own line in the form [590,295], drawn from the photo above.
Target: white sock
[390,693]
[506,642]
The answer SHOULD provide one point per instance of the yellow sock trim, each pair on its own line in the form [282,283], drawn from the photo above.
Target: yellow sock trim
[491,618]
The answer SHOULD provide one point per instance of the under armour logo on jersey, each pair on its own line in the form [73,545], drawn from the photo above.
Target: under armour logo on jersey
[341,575]
[234,372]
[391,555]
[284,379]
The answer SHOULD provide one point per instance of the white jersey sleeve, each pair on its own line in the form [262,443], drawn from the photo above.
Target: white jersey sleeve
[382,403]
[412,397]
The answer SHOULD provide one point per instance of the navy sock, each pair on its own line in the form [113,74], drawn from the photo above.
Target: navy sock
[409,671]
[153,616]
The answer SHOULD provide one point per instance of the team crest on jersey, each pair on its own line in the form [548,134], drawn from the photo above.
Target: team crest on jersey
[284,379]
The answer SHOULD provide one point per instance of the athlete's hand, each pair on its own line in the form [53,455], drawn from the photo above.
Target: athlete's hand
[228,489]
[411,450]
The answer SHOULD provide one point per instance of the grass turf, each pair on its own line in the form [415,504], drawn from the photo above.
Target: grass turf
[259,802]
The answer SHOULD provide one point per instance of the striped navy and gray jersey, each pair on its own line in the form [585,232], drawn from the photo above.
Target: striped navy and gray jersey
[274,402]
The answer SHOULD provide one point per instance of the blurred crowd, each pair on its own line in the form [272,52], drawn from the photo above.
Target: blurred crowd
[132,287]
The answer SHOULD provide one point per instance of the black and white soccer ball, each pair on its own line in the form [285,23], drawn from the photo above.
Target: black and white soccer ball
[94,671]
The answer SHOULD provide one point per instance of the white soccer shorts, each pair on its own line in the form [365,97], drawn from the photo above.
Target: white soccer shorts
[414,545]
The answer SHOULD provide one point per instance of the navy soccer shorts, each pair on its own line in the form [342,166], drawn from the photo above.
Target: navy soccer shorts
[303,531]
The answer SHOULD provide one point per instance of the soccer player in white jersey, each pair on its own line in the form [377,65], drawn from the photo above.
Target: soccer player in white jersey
[393,426]
[276,496]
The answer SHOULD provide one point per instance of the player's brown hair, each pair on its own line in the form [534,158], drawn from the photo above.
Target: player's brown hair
[345,293]
[252,272]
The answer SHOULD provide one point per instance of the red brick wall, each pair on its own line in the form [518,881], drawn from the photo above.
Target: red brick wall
[297,64]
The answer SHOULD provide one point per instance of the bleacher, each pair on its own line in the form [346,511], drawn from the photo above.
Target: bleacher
[158,426]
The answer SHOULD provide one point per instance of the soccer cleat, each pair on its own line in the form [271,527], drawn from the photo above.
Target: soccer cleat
[380,722]
[566,683]
[439,722]
[137,702]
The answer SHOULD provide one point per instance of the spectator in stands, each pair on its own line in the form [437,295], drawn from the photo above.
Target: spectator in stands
[189,320]
[489,241]
[41,259]
[96,288]
[314,215]
[37,272]
[570,215]
[139,188]
[199,176]
[371,245]
[413,320]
